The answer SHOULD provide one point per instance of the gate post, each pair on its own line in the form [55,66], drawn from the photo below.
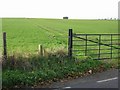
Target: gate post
[70,43]
[99,47]
[4,46]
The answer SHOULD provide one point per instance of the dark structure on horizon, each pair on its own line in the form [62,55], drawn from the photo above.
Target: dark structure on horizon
[65,17]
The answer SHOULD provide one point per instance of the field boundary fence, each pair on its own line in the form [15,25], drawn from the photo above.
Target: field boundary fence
[4,46]
[97,46]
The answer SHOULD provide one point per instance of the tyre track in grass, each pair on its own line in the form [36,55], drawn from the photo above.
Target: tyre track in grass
[50,30]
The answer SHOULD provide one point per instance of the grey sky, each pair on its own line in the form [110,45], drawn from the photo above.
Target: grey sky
[82,9]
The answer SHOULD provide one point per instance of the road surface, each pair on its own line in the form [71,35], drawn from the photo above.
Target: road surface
[107,79]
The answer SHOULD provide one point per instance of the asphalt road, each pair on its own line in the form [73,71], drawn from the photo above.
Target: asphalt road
[107,79]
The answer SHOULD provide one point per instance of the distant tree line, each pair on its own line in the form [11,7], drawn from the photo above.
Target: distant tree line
[110,19]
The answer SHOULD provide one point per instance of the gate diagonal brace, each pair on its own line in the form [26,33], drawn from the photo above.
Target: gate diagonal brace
[96,42]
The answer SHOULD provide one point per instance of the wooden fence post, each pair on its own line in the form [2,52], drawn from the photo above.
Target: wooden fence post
[4,46]
[41,50]
[70,43]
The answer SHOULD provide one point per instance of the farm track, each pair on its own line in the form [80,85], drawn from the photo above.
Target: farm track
[50,30]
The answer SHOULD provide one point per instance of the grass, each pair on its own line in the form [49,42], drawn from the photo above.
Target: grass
[25,34]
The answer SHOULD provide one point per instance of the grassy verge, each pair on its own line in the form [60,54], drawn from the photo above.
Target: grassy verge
[35,70]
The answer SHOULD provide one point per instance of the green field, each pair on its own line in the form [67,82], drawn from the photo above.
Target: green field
[25,34]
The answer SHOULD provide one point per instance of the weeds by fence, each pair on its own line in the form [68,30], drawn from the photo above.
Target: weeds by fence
[97,46]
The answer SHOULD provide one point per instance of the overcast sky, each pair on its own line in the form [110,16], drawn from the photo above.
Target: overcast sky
[74,9]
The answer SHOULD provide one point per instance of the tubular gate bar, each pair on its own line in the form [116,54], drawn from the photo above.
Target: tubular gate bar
[98,46]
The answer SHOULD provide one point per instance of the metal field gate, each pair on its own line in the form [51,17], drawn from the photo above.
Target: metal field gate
[97,46]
